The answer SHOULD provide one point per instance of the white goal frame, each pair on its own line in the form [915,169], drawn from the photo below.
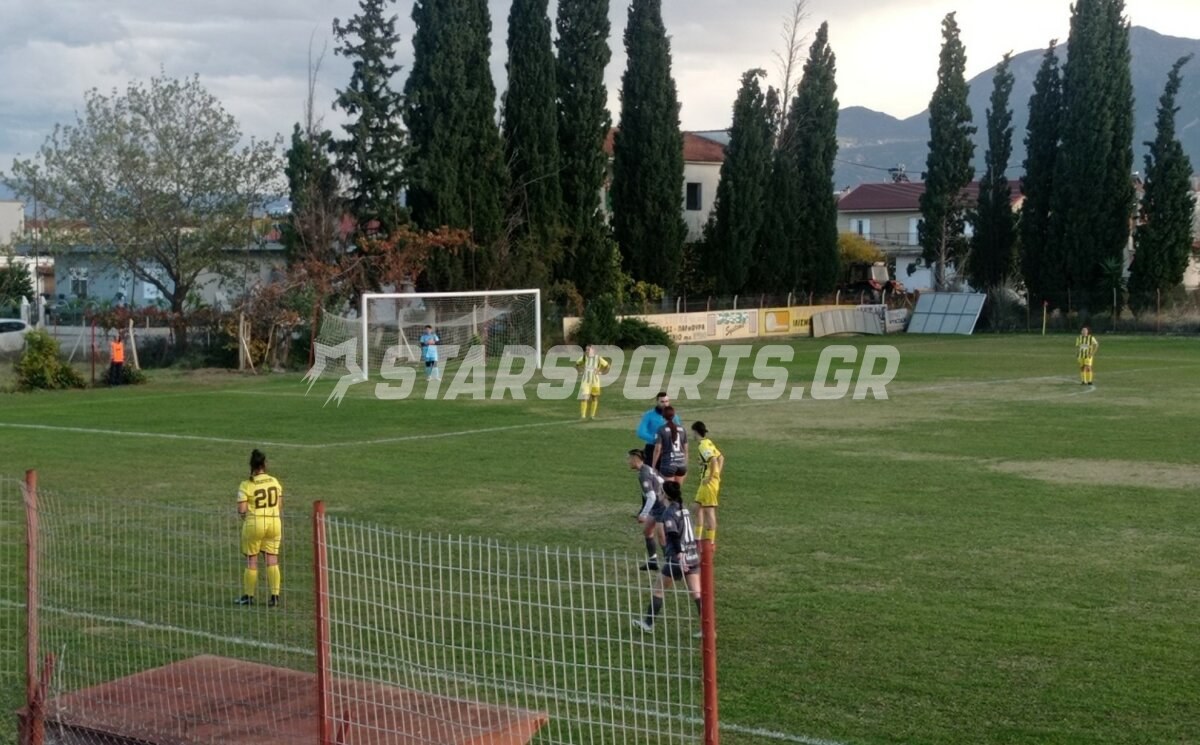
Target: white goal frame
[367,297]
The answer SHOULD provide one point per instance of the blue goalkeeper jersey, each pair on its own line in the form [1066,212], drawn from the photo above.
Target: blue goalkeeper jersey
[429,342]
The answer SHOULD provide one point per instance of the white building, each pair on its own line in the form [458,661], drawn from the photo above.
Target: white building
[702,159]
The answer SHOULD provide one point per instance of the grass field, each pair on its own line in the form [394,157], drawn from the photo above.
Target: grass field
[993,555]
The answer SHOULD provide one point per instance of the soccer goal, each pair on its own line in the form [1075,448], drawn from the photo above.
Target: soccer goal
[465,322]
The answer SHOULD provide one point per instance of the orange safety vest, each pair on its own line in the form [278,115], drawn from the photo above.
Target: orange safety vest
[118,352]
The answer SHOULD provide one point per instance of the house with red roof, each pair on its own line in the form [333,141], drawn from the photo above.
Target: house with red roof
[889,215]
[702,159]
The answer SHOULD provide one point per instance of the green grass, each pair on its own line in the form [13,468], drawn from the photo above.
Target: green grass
[994,555]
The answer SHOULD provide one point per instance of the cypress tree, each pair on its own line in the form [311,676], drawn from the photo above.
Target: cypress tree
[372,155]
[814,265]
[1093,199]
[647,183]
[740,206]
[583,124]
[531,141]
[948,166]
[457,164]
[312,194]
[993,253]
[771,269]
[1164,240]
[1042,265]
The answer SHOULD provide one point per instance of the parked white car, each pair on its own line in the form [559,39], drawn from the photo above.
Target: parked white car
[12,334]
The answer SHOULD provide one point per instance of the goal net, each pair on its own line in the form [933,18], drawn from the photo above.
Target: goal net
[388,326]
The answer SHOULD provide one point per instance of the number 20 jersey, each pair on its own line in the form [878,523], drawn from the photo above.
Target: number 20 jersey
[262,495]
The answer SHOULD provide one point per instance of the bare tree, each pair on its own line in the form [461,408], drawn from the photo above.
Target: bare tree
[790,60]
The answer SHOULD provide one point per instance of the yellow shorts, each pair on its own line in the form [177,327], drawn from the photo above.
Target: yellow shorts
[587,391]
[706,495]
[1086,362]
[261,535]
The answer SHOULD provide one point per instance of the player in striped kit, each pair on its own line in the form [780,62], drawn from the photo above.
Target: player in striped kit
[681,553]
[1086,346]
[650,486]
[593,366]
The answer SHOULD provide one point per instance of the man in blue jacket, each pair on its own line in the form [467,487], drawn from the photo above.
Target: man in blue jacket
[652,421]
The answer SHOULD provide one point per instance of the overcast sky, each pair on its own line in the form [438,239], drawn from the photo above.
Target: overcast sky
[253,53]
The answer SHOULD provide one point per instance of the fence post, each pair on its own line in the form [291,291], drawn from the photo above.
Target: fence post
[735,299]
[321,607]
[35,723]
[1157,311]
[708,630]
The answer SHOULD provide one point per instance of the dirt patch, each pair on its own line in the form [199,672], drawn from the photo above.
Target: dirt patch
[1108,472]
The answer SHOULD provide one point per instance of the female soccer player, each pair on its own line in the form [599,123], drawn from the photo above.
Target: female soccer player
[712,463]
[682,556]
[259,504]
[650,485]
[429,353]
[1086,346]
[671,448]
[593,366]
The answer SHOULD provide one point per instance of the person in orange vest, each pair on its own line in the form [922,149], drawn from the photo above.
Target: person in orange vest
[117,358]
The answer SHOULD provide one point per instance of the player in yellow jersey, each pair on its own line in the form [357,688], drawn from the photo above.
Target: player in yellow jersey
[260,504]
[1086,346]
[712,463]
[593,366]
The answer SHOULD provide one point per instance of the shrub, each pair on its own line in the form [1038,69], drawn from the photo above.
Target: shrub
[599,324]
[40,366]
[634,332]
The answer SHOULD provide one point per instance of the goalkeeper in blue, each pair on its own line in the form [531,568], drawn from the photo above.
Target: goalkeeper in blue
[681,553]
[429,353]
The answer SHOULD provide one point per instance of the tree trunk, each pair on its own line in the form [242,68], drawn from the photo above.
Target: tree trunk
[179,324]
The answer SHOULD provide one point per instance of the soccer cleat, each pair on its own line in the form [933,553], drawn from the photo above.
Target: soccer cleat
[641,624]
[649,566]
[245,600]
[274,601]
[698,635]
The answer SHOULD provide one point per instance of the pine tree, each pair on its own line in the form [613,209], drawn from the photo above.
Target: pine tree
[372,155]
[531,142]
[815,265]
[583,124]
[647,184]
[993,249]
[948,166]
[312,194]
[1164,240]
[456,165]
[1093,200]
[1042,266]
[741,201]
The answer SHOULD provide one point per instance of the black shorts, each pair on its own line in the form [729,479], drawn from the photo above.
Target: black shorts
[430,363]
[656,512]
[674,470]
[648,455]
[674,571]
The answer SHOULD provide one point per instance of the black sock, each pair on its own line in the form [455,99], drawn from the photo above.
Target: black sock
[651,549]
[654,609]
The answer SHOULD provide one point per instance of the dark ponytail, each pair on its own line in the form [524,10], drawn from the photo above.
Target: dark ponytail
[669,413]
[673,492]
[258,461]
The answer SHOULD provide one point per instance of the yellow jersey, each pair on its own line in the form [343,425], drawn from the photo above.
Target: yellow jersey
[593,368]
[262,494]
[708,454]
[1086,347]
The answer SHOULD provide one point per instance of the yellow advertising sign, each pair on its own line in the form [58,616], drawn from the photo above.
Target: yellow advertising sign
[793,321]
[726,325]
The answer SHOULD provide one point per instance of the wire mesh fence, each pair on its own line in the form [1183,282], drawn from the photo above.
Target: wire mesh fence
[12,603]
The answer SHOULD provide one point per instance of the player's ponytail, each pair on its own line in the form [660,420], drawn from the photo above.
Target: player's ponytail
[258,461]
[673,492]
[669,413]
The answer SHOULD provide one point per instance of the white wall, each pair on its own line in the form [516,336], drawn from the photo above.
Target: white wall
[12,222]
[708,176]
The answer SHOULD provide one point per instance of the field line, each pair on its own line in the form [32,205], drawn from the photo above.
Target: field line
[152,435]
[275,647]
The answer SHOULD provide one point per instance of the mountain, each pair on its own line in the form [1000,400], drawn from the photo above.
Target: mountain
[871,141]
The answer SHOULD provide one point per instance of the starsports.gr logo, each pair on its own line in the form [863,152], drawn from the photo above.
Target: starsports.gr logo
[841,370]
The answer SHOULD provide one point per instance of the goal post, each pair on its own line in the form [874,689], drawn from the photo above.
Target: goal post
[487,320]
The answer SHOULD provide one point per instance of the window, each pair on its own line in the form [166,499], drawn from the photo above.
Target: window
[914,231]
[861,227]
[693,201]
[79,281]
[10,326]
